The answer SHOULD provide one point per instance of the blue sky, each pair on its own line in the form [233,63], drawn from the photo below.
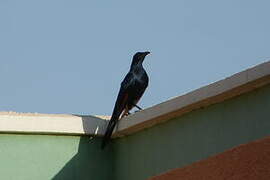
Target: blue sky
[71,56]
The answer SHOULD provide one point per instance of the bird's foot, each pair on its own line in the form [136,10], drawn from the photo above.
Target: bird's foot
[125,114]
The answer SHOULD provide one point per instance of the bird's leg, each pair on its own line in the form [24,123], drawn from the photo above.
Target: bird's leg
[122,115]
[125,113]
[137,107]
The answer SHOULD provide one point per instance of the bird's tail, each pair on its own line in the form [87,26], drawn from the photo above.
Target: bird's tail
[117,111]
[108,133]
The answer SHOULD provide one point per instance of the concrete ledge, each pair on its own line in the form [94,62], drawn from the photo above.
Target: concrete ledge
[11,122]
[219,91]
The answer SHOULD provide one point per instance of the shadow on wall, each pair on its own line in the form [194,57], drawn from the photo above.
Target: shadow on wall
[90,162]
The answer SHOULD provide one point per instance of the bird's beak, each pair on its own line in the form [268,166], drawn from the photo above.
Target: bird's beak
[146,53]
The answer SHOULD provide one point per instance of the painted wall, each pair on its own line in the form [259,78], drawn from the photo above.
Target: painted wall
[32,157]
[193,136]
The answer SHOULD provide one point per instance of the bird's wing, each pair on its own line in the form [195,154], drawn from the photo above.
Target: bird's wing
[119,106]
[123,95]
[127,82]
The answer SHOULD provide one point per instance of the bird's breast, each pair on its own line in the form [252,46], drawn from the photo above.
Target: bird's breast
[140,76]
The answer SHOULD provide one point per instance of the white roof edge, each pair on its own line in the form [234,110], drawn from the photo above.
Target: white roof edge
[232,86]
[34,123]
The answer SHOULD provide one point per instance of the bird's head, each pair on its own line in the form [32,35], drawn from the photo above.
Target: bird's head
[139,57]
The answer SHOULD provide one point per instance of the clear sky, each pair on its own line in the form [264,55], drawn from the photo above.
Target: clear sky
[61,56]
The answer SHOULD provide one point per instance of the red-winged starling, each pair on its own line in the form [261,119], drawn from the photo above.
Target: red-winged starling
[131,90]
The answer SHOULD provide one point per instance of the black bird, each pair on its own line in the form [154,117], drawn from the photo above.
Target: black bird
[131,90]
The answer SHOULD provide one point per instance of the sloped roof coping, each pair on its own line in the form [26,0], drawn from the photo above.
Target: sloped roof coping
[219,91]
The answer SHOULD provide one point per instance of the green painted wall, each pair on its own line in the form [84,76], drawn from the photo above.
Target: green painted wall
[32,157]
[192,137]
